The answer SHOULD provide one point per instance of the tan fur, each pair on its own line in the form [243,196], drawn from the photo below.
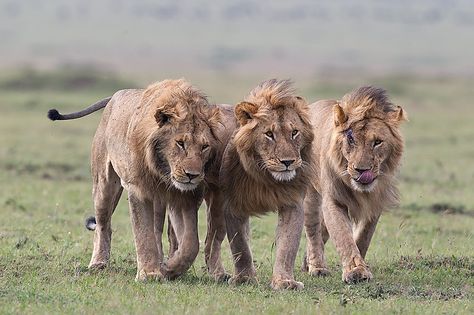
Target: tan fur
[274,128]
[158,144]
[349,209]
[216,229]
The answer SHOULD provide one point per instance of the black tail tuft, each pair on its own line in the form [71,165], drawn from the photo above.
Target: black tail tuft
[53,114]
[91,223]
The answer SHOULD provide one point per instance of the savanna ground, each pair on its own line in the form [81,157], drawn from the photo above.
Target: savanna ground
[422,255]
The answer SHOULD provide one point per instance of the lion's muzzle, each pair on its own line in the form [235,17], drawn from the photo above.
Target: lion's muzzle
[188,181]
[365,177]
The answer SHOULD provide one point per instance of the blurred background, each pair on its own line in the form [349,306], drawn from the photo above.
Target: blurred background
[301,39]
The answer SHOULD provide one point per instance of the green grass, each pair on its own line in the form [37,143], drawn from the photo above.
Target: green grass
[421,256]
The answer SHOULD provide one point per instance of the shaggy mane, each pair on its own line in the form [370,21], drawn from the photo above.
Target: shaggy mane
[250,189]
[186,106]
[172,92]
[367,102]
[273,92]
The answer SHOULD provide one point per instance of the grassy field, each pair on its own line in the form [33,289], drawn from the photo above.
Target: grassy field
[422,255]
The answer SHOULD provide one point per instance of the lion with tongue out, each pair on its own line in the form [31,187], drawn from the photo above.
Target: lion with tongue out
[358,147]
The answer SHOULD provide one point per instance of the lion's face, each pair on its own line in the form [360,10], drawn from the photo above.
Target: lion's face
[273,139]
[188,153]
[370,147]
[182,151]
[182,145]
[366,146]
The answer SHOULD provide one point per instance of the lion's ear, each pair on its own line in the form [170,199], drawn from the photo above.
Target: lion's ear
[244,112]
[162,118]
[300,101]
[214,117]
[399,115]
[339,116]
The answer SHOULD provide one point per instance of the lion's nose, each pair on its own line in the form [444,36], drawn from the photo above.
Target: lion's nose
[192,176]
[287,162]
[361,170]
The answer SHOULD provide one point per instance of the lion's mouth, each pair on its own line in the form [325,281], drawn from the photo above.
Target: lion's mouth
[283,176]
[365,181]
[366,177]
[184,186]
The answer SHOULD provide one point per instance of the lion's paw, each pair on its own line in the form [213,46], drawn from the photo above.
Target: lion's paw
[318,272]
[358,274]
[242,279]
[221,277]
[286,284]
[170,273]
[154,275]
[97,265]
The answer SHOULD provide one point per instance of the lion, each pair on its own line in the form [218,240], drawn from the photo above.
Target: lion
[358,149]
[161,145]
[214,198]
[266,167]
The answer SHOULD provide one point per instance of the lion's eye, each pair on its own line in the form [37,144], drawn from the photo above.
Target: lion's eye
[180,144]
[205,146]
[164,118]
[294,133]
[269,134]
[377,142]
[350,137]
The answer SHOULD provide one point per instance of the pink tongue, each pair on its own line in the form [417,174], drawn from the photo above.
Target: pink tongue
[366,177]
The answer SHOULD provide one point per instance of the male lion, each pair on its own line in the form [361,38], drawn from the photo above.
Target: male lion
[266,167]
[158,144]
[358,151]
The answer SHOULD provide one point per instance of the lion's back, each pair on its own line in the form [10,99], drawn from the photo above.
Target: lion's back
[322,122]
[110,140]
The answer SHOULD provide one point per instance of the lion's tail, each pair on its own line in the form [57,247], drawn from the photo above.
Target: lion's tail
[53,114]
[91,223]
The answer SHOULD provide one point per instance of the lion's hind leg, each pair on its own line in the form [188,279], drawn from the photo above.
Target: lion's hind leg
[106,192]
[216,232]
[159,209]
[316,236]
[175,231]
[363,234]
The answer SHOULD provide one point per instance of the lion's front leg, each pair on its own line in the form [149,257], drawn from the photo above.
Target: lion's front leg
[148,257]
[216,232]
[288,235]
[354,268]
[159,209]
[363,234]
[238,230]
[188,243]
[314,262]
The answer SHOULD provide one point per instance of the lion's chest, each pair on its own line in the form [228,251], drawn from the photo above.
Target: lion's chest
[252,198]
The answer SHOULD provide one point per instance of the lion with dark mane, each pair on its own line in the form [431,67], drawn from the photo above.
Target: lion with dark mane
[266,168]
[358,149]
[162,144]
